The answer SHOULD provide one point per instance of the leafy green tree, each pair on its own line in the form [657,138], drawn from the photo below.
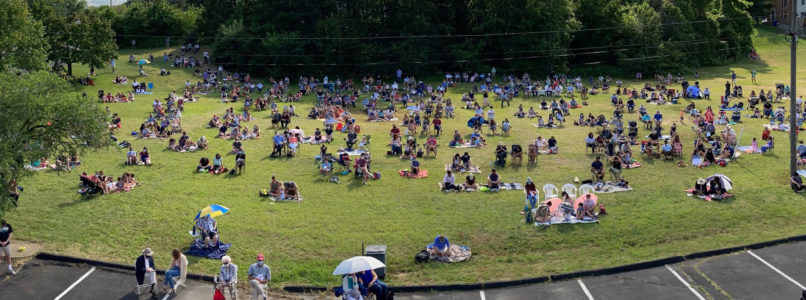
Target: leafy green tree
[149,21]
[42,118]
[74,34]
[22,41]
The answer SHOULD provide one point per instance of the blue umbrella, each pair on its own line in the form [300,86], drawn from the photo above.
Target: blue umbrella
[143,62]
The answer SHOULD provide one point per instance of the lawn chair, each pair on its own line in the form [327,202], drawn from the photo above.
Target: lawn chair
[533,154]
[142,288]
[550,191]
[586,189]
[570,189]
[219,284]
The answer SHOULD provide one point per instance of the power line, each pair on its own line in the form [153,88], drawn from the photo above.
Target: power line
[444,35]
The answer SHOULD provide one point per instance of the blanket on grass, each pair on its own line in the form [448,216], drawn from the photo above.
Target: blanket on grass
[473,169]
[662,137]
[458,254]
[552,126]
[748,150]
[197,249]
[406,173]
[611,187]
[502,187]
[571,220]
[275,199]
[384,120]
[690,193]
[352,153]
[465,145]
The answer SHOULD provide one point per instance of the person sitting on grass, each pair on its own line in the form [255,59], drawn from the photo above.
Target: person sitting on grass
[204,165]
[131,157]
[362,166]
[237,146]
[470,182]
[145,158]
[414,166]
[476,140]
[797,183]
[493,180]
[457,139]
[292,191]
[276,189]
[588,206]
[441,247]
[543,214]
[448,181]
[700,187]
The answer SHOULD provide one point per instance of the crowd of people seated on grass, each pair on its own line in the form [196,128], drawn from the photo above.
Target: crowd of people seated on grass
[140,159]
[216,166]
[185,144]
[100,183]
[117,97]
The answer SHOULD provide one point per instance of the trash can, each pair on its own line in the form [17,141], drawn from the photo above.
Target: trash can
[378,252]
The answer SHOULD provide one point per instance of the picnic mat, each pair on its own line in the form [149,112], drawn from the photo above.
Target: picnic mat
[473,169]
[384,120]
[552,126]
[458,254]
[504,186]
[352,153]
[802,173]
[465,145]
[662,137]
[783,127]
[748,149]
[405,173]
[690,193]
[611,187]
[634,165]
[196,249]
[275,199]
[571,220]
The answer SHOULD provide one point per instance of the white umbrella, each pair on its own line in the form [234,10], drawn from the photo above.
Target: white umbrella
[358,264]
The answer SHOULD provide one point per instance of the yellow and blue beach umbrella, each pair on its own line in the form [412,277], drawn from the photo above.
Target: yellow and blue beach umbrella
[214,210]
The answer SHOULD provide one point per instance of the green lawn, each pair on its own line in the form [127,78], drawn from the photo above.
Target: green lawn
[304,242]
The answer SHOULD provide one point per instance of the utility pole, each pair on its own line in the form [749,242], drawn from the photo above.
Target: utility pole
[793,105]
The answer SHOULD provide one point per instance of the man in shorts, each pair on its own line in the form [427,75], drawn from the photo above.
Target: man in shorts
[209,230]
[5,243]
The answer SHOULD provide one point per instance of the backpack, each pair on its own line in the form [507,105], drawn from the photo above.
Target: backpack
[264,193]
[377,175]
[602,210]
[422,256]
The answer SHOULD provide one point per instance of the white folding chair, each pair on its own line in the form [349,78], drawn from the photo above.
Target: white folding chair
[586,189]
[142,288]
[550,191]
[571,190]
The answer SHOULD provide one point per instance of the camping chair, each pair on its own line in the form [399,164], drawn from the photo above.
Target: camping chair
[586,189]
[550,191]
[217,283]
[142,288]
[532,154]
[150,86]
[517,154]
[570,189]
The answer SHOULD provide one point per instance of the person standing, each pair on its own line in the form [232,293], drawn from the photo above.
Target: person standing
[259,275]
[6,232]
[134,43]
[753,74]
[145,270]
[733,77]
[492,73]
[112,64]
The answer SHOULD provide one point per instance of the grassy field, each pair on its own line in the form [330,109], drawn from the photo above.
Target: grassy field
[304,242]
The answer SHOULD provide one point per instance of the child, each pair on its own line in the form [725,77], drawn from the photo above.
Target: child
[682,112]
[754,145]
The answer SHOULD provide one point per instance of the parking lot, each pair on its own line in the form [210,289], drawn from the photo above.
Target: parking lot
[777,272]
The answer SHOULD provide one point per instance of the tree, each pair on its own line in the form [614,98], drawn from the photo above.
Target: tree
[42,118]
[75,35]
[22,41]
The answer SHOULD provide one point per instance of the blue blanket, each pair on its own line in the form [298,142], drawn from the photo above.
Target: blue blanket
[196,249]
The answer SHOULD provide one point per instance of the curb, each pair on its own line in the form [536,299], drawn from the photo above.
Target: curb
[565,276]
[97,263]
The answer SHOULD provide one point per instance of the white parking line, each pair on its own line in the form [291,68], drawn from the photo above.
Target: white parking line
[685,283]
[481,293]
[585,289]
[776,270]
[74,284]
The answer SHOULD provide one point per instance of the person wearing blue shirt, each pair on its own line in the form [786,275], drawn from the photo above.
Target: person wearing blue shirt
[440,247]
[801,149]
[279,141]
[415,165]
[259,275]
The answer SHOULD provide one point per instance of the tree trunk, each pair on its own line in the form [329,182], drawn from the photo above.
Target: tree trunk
[70,69]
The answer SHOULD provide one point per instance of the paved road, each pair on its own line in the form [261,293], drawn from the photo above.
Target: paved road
[42,279]
[777,272]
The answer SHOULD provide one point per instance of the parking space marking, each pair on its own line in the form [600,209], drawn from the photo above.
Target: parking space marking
[585,289]
[776,270]
[74,284]
[690,288]
[481,293]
